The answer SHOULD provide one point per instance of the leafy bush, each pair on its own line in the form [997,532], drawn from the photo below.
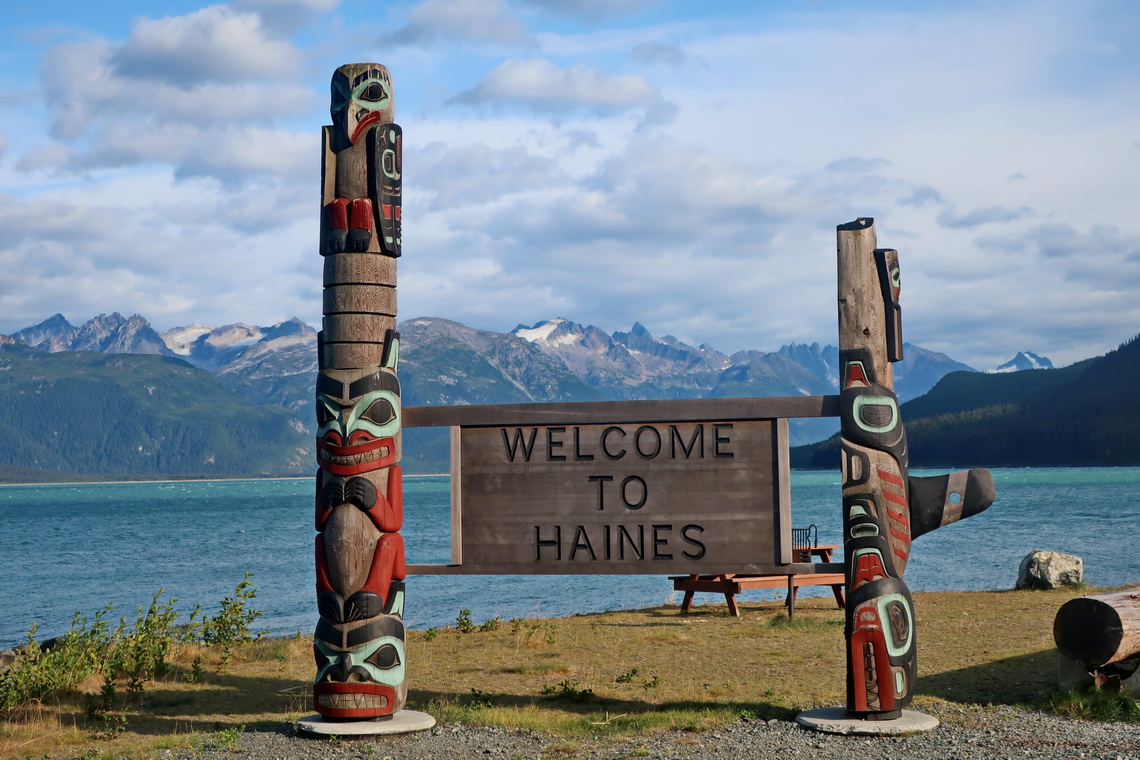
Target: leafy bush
[231,626]
[57,666]
[134,654]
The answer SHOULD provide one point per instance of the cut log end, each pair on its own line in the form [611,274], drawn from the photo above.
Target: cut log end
[1089,631]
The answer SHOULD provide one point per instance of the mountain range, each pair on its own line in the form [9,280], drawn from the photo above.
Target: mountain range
[444,362]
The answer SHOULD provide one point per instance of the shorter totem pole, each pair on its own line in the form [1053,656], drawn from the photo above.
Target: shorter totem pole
[359,643]
[884,508]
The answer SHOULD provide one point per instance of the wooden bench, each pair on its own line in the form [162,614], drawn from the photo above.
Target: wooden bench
[731,584]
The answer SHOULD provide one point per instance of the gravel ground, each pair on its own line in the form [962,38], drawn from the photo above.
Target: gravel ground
[965,734]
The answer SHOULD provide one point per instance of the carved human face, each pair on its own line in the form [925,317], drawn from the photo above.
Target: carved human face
[367,677]
[357,421]
[361,97]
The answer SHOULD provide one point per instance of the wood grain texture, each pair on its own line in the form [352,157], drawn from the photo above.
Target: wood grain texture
[350,355]
[356,328]
[352,173]
[1099,630]
[620,412]
[456,497]
[636,498]
[862,319]
[360,299]
[350,541]
[783,526]
[328,176]
[360,269]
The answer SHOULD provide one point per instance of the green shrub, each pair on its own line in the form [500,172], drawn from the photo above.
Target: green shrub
[42,672]
[231,626]
[134,654]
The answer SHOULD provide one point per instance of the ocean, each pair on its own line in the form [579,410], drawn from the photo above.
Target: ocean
[69,548]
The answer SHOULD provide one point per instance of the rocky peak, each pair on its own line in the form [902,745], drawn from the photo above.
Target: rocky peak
[290,328]
[178,339]
[108,333]
[53,334]
[1025,360]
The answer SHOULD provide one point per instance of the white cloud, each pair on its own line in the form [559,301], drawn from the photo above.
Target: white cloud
[285,16]
[435,21]
[659,52]
[188,91]
[544,87]
[592,11]
[215,44]
[979,216]
[478,174]
[682,169]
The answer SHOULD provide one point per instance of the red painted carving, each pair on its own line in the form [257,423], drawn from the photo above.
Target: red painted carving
[388,564]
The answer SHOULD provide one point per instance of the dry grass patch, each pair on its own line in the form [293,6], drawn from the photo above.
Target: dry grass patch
[612,674]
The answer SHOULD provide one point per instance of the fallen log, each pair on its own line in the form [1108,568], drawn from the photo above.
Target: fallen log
[1102,633]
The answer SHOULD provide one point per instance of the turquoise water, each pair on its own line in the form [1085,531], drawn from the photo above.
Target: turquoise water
[77,547]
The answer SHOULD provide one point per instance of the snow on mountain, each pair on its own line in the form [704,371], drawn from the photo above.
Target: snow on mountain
[178,339]
[242,348]
[632,364]
[286,348]
[1024,360]
[540,333]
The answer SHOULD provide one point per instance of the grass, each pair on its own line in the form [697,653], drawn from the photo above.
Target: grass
[611,674]
[1095,705]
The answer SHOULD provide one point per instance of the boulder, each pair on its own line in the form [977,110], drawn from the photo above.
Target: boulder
[1044,569]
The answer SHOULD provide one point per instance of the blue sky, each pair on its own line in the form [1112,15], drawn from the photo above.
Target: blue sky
[680,164]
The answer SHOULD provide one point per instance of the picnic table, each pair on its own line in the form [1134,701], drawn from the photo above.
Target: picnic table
[731,584]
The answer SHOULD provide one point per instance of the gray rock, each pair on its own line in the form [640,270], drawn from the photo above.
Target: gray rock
[1043,569]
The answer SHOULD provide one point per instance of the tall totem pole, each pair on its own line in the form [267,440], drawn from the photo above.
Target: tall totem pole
[884,508]
[359,643]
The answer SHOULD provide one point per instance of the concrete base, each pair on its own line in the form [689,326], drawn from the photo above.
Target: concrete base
[836,720]
[403,722]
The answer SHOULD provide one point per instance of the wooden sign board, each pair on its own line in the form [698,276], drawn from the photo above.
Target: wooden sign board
[652,498]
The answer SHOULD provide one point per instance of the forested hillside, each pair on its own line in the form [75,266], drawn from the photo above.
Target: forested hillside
[1086,414]
[88,413]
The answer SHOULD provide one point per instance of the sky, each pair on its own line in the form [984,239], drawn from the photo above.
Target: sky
[679,164]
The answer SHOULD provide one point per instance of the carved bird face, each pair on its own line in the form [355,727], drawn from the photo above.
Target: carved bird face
[361,97]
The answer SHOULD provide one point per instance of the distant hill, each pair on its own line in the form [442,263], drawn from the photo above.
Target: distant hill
[1082,415]
[88,413]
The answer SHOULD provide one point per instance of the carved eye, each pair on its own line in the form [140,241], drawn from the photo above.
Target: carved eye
[385,658]
[319,656]
[375,92]
[381,412]
[324,414]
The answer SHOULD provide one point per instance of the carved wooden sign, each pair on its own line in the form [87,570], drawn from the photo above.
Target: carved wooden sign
[681,497]
[622,487]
